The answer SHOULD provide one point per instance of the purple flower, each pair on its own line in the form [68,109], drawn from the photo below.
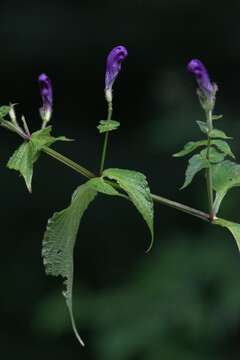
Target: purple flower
[114,62]
[198,69]
[47,97]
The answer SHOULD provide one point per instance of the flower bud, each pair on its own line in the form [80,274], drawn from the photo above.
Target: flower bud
[114,62]
[206,90]
[47,97]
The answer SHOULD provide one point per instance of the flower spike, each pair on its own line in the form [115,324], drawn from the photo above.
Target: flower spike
[47,98]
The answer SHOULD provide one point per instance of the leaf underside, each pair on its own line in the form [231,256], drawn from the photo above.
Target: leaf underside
[233,227]
[59,241]
[135,185]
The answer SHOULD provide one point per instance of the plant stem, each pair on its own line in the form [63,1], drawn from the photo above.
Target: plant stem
[78,168]
[209,169]
[104,151]
[88,174]
[184,208]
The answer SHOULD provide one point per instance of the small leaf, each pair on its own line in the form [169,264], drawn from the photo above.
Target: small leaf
[217,117]
[27,154]
[225,175]
[203,126]
[4,111]
[234,228]
[59,241]
[135,185]
[22,161]
[190,147]
[214,155]
[195,164]
[223,146]
[215,133]
[107,125]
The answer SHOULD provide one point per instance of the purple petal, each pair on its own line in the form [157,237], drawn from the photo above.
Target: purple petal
[114,62]
[197,68]
[47,96]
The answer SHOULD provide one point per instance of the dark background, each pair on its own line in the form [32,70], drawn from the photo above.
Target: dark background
[180,301]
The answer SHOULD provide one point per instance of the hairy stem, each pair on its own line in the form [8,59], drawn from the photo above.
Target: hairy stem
[209,169]
[104,151]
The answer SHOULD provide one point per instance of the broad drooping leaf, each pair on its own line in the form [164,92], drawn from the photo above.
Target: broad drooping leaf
[107,125]
[27,154]
[101,186]
[215,133]
[223,147]
[234,228]
[135,185]
[59,241]
[195,164]
[213,155]
[225,176]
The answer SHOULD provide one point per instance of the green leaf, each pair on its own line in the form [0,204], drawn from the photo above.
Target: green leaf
[214,155]
[203,126]
[22,161]
[217,117]
[190,147]
[27,154]
[195,164]
[234,228]
[107,125]
[101,186]
[59,241]
[135,185]
[224,147]
[225,175]
[215,133]
[4,111]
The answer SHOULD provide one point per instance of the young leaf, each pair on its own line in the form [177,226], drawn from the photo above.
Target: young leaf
[234,228]
[217,117]
[135,185]
[223,146]
[225,175]
[59,241]
[107,125]
[203,126]
[195,164]
[190,147]
[4,111]
[215,133]
[27,154]
[22,161]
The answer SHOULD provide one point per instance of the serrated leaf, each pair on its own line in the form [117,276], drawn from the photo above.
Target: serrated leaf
[107,125]
[195,164]
[217,117]
[135,185]
[22,161]
[4,111]
[224,147]
[190,147]
[203,126]
[27,154]
[215,133]
[214,155]
[234,228]
[225,176]
[59,241]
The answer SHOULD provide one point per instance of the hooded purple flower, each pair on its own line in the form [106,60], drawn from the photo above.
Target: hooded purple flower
[196,67]
[47,97]
[114,62]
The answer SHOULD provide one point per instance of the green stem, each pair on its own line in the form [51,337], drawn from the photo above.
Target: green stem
[209,169]
[104,151]
[78,168]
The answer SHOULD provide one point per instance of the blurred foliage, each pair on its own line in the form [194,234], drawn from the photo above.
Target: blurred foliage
[180,302]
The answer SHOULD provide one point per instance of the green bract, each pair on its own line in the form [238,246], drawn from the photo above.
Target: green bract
[107,125]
